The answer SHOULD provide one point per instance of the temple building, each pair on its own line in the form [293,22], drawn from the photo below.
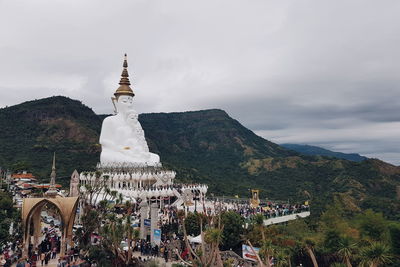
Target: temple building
[126,164]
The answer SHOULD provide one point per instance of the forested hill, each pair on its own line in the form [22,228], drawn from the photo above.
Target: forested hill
[315,150]
[30,132]
[202,146]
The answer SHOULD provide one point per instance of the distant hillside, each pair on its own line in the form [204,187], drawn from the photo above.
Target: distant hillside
[205,146]
[319,151]
[30,132]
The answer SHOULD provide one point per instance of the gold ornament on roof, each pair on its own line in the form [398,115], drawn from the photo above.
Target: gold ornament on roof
[124,84]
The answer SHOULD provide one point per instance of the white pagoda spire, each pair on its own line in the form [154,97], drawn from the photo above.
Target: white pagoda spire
[52,188]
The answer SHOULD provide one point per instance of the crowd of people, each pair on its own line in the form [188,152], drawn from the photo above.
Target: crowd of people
[269,210]
[10,254]
[169,223]
[166,249]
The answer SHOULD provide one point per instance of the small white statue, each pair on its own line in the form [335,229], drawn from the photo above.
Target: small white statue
[122,137]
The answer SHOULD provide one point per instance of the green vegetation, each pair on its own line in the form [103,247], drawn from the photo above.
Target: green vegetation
[8,215]
[113,222]
[335,239]
[202,146]
[319,151]
[32,131]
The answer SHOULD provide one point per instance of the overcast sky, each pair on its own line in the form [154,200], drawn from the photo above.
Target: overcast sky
[316,72]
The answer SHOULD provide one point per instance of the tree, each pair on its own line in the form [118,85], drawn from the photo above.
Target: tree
[282,258]
[21,166]
[308,244]
[305,238]
[267,251]
[8,215]
[394,230]
[373,225]
[233,229]
[192,223]
[337,264]
[208,254]
[331,241]
[90,223]
[256,230]
[346,250]
[375,254]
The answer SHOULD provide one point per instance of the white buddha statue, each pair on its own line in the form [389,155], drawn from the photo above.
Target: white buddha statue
[122,137]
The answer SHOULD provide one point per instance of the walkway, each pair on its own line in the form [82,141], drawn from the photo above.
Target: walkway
[286,218]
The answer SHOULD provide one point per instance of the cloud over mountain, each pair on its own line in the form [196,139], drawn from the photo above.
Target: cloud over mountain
[316,72]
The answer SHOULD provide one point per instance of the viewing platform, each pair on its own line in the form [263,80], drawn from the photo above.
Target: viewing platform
[286,218]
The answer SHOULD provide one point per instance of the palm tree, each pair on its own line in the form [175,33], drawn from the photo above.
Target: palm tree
[375,254]
[308,245]
[258,222]
[282,259]
[268,251]
[213,237]
[346,250]
[129,231]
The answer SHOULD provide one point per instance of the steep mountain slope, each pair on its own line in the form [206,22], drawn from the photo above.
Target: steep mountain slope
[319,151]
[202,146]
[208,144]
[32,131]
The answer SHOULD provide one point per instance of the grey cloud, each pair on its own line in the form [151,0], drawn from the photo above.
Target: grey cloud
[323,72]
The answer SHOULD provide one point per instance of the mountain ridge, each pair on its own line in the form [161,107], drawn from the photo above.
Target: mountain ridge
[320,151]
[202,146]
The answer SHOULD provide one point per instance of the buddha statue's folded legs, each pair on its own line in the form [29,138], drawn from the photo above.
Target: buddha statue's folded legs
[109,156]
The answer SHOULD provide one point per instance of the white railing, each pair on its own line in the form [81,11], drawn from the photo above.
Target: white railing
[286,218]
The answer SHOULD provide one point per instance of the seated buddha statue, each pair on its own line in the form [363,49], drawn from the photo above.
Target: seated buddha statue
[122,137]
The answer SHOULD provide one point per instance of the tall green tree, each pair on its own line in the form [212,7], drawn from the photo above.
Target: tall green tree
[233,230]
[373,225]
[192,223]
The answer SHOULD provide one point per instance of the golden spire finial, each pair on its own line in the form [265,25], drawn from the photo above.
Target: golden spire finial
[124,88]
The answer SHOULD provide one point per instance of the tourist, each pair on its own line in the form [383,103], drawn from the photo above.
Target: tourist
[166,254]
[47,258]
[42,257]
[34,259]
[21,263]
[2,261]
[76,253]
[54,253]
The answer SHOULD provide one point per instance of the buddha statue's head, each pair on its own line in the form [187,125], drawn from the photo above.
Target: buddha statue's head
[124,104]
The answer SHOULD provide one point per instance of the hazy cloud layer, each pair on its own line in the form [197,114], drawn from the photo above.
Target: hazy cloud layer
[317,72]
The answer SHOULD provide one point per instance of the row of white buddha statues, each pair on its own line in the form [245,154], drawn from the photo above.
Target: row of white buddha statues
[148,194]
[136,176]
[160,192]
